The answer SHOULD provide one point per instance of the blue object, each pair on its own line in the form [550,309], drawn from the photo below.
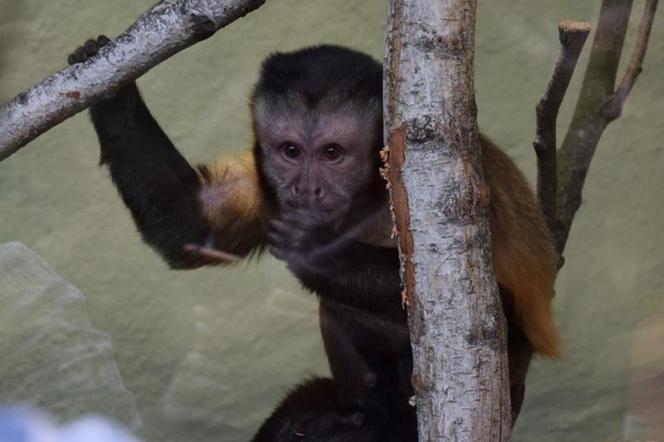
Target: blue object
[28,425]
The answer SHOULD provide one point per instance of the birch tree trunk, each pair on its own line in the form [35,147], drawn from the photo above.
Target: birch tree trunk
[440,202]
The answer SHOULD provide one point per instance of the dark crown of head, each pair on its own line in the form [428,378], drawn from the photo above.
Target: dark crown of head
[322,72]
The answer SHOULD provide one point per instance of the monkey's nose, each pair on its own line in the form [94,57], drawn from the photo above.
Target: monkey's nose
[307,193]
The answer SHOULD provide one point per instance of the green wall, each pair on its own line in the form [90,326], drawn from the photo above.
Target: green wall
[207,353]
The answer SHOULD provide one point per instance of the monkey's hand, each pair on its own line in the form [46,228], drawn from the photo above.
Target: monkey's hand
[310,249]
[88,50]
[336,265]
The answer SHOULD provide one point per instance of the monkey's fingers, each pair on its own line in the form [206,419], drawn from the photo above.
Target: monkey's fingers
[279,253]
[277,237]
[287,234]
[305,219]
[88,50]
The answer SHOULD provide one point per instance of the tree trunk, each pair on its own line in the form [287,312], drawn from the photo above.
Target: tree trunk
[440,202]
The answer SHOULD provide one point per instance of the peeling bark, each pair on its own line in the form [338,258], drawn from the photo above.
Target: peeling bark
[165,29]
[440,202]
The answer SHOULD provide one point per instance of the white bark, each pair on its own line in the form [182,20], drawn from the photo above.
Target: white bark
[440,199]
[165,29]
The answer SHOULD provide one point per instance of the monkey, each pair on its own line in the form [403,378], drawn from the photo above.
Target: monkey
[310,191]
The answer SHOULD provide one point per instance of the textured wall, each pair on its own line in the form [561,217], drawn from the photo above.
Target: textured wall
[208,352]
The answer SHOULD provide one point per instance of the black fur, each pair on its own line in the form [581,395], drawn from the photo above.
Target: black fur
[156,183]
[312,413]
[322,72]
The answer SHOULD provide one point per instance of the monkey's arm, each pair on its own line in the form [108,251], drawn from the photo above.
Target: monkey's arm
[172,203]
[367,277]
[339,268]
[154,180]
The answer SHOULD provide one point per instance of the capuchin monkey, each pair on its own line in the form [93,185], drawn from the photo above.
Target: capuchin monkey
[310,191]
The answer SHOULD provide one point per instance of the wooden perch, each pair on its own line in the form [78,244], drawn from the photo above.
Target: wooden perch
[572,37]
[165,29]
[598,105]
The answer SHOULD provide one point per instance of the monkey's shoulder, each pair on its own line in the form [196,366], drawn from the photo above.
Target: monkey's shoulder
[231,191]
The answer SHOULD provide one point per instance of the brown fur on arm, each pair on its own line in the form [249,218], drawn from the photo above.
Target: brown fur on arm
[233,206]
[524,253]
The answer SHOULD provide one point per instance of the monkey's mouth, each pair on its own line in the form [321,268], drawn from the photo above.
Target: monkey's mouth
[332,216]
[318,215]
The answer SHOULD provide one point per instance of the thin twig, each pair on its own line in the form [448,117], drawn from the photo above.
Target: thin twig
[615,104]
[572,36]
[210,253]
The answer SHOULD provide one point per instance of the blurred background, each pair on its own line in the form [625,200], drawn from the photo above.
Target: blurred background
[204,355]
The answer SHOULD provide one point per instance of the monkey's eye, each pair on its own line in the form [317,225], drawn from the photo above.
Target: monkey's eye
[290,150]
[332,152]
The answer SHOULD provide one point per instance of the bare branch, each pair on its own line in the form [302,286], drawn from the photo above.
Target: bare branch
[615,104]
[589,120]
[165,29]
[572,38]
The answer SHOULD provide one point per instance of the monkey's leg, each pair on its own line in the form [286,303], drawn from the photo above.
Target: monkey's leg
[312,413]
[370,360]
[317,394]
[355,380]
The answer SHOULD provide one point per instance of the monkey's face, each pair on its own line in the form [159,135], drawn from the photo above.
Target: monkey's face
[319,164]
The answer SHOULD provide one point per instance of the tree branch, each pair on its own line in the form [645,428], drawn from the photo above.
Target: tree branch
[615,104]
[572,37]
[590,116]
[165,29]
